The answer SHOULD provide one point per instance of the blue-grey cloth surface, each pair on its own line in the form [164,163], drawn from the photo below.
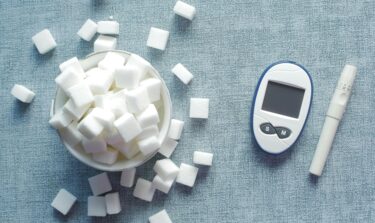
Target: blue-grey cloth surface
[226,47]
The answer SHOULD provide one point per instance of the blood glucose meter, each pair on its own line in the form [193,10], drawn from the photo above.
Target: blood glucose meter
[281,105]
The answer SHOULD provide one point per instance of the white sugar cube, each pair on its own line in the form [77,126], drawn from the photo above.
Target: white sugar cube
[117,106]
[137,61]
[22,93]
[108,157]
[81,94]
[128,76]
[166,169]
[95,145]
[96,206]
[111,61]
[153,86]
[149,132]
[68,78]
[52,108]
[73,110]
[127,177]
[148,145]
[100,82]
[199,107]
[187,175]
[185,10]
[128,127]
[144,190]
[108,27]
[148,117]
[71,135]
[63,201]
[157,38]
[160,217]
[112,201]
[113,137]
[60,120]
[202,158]
[175,129]
[73,63]
[105,43]
[162,185]
[90,127]
[87,30]
[44,41]
[128,150]
[168,147]
[100,184]
[182,73]
[104,117]
[137,99]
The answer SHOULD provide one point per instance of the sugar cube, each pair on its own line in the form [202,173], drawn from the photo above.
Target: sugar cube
[73,63]
[44,41]
[149,132]
[22,93]
[144,190]
[182,73]
[128,150]
[108,27]
[168,147]
[137,61]
[90,127]
[60,120]
[113,137]
[148,117]
[112,202]
[128,127]
[104,117]
[87,30]
[162,185]
[75,111]
[166,169]
[52,108]
[160,217]
[153,86]
[63,201]
[128,76]
[157,38]
[187,175]
[111,61]
[71,135]
[100,82]
[100,184]
[81,94]
[175,129]
[117,106]
[202,158]
[108,157]
[68,78]
[137,99]
[105,43]
[95,145]
[127,177]
[148,145]
[185,10]
[199,107]
[96,206]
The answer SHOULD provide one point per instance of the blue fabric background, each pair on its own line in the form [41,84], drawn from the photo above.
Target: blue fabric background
[226,47]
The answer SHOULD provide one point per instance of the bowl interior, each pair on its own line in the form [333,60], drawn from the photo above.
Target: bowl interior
[164,107]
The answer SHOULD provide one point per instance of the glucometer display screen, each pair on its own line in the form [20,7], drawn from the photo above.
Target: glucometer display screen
[283,99]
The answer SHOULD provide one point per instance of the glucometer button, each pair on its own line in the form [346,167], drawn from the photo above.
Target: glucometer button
[267,128]
[283,132]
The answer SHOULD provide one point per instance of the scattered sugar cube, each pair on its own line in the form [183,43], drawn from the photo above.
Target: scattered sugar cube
[128,150]
[52,108]
[160,217]
[187,175]
[44,41]
[108,27]
[73,63]
[149,132]
[68,78]
[202,158]
[22,93]
[148,117]
[185,10]
[105,43]
[87,30]
[60,120]
[108,157]
[96,206]
[100,184]
[81,94]
[175,129]
[168,147]
[182,73]
[112,201]
[166,169]
[144,190]
[153,86]
[90,127]
[162,185]
[71,135]
[95,145]
[127,177]
[63,201]
[111,61]
[199,107]
[100,82]
[73,110]
[104,117]
[128,76]
[157,38]
[148,145]
[128,127]
[137,99]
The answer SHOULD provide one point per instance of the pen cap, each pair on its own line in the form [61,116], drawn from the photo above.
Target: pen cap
[347,77]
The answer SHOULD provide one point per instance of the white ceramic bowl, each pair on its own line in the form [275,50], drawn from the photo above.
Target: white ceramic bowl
[165,110]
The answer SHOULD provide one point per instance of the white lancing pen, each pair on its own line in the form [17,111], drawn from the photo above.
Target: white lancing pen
[334,115]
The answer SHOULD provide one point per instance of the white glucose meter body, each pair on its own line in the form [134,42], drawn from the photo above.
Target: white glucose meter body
[281,105]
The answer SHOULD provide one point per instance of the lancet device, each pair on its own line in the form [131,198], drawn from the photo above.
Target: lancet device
[281,106]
